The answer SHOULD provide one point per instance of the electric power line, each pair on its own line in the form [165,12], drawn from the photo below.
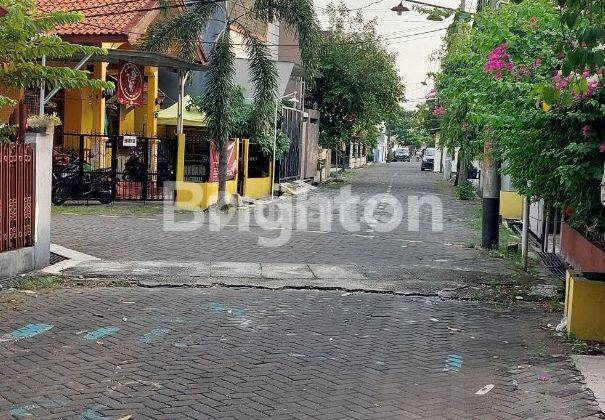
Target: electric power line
[283,45]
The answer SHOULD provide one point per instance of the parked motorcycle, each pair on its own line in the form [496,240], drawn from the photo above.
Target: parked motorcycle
[68,185]
[134,169]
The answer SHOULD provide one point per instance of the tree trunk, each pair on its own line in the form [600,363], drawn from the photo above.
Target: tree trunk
[463,175]
[222,174]
[462,167]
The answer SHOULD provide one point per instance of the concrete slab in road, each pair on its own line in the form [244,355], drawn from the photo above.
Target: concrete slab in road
[286,271]
[235,269]
[335,272]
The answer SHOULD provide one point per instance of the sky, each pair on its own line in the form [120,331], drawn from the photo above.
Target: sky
[413,52]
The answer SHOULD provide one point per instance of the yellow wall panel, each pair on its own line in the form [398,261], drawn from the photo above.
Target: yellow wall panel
[511,205]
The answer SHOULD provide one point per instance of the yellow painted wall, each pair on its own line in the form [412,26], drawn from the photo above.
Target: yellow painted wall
[254,187]
[584,303]
[127,119]
[511,205]
[85,108]
[78,112]
[201,195]
[257,187]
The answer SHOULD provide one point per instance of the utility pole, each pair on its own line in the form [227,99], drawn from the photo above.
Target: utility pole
[490,228]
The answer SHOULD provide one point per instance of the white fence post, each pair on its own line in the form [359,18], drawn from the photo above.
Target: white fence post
[43,146]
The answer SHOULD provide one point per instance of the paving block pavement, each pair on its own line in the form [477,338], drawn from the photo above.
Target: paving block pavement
[247,353]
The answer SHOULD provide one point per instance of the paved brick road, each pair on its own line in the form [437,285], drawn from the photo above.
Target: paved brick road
[219,352]
[132,239]
[246,353]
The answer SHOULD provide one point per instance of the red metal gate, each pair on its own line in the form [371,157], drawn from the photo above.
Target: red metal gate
[17,172]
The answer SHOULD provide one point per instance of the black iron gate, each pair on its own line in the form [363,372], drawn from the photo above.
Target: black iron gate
[291,125]
[135,168]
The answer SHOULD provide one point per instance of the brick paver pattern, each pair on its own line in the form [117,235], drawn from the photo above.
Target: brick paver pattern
[248,353]
[141,239]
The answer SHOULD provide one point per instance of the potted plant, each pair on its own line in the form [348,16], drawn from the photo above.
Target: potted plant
[6,132]
[42,123]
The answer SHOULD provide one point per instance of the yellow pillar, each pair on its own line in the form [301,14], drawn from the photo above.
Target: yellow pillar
[98,118]
[246,143]
[180,158]
[151,122]
[236,162]
[97,145]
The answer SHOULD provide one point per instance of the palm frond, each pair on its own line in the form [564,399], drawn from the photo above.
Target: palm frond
[179,33]
[264,77]
[219,88]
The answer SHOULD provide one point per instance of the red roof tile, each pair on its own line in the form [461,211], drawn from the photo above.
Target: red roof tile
[103,17]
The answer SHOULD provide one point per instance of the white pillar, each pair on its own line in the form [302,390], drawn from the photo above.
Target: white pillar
[43,148]
[525,233]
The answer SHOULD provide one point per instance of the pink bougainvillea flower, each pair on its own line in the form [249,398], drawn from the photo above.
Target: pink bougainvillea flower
[592,83]
[432,93]
[439,111]
[498,60]
[585,130]
[602,147]
[559,82]
[537,63]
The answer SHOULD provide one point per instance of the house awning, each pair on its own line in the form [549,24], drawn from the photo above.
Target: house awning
[191,117]
[146,58]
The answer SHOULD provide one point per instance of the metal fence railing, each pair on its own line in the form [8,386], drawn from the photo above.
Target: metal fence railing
[17,195]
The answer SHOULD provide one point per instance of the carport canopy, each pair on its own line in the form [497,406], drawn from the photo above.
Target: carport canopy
[191,116]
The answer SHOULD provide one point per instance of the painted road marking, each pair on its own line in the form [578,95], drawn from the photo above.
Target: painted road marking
[24,410]
[101,332]
[453,363]
[485,389]
[28,331]
[152,335]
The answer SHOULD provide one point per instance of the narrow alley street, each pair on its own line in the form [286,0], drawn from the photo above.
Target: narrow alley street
[115,238]
[410,331]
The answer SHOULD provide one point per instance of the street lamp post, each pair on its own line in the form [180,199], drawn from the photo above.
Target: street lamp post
[277,106]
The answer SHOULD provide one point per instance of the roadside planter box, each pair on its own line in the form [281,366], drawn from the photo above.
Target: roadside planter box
[580,252]
[585,305]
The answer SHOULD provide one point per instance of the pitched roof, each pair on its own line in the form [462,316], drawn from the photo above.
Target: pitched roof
[113,19]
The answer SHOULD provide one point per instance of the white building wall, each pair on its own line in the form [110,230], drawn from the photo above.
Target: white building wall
[273,39]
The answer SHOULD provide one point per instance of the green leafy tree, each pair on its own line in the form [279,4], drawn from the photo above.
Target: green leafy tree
[583,26]
[181,33]
[494,87]
[25,37]
[424,124]
[402,126]
[358,86]
[241,122]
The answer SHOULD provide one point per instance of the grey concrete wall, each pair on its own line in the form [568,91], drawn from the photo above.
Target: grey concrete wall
[17,261]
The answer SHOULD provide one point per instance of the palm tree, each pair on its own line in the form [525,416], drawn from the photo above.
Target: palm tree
[181,33]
